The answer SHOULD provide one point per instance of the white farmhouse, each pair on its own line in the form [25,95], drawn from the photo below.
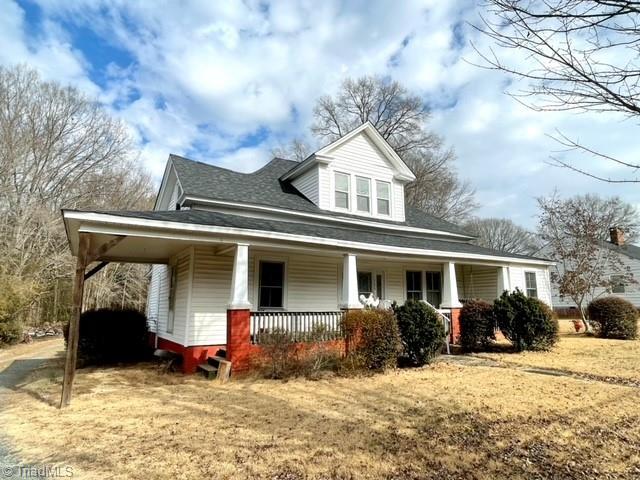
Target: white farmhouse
[293,244]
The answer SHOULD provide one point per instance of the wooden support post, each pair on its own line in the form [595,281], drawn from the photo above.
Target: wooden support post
[74,321]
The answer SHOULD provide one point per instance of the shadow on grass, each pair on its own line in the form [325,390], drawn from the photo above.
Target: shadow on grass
[298,430]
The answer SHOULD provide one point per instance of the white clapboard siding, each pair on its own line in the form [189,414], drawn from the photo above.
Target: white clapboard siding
[312,284]
[308,184]
[480,282]
[311,281]
[210,297]
[324,184]
[517,279]
[182,296]
[631,293]
[360,156]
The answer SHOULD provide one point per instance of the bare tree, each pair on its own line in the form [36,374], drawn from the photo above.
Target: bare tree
[504,235]
[580,55]
[574,231]
[401,118]
[58,149]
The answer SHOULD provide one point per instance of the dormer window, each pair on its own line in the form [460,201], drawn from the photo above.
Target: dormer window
[363,194]
[382,197]
[342,190]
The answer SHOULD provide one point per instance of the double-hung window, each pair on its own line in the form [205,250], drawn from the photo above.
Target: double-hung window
[363,194]
[342,190]
[414,285]
[271,285]
[531,284]
[617,284]
[383,195]
[434,288]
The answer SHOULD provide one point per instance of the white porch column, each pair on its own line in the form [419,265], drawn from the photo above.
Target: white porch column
[239,298]
[503,280]
[350,283]
[450,287]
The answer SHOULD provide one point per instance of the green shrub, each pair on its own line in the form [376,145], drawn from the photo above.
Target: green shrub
[476,325]
[109,336]
[372,338]
[421,332]
[613,317]
[10,332]
[526,322]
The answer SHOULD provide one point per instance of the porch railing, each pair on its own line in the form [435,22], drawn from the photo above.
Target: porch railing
[301,326]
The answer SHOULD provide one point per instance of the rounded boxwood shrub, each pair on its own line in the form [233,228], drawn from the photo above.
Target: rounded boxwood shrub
[421,332]
[110,336]
[527,323]
[476,325]
[614,317]
[372,338]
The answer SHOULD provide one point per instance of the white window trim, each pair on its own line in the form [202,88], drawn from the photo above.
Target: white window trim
[334,190]
[256,281]
[370,196]
[374,273]
[389,184]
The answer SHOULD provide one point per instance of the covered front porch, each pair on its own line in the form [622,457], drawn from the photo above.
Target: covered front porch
[215,288]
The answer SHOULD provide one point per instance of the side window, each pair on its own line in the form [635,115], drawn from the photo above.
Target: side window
[271,285]
[383,194]
[363,194]
[414,285]
[173,281]
[342,190]
[531,284]
[617,284]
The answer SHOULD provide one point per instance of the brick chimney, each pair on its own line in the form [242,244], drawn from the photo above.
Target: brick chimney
[617,236]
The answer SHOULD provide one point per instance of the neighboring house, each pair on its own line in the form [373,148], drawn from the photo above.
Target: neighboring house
[629,256]
[293,245]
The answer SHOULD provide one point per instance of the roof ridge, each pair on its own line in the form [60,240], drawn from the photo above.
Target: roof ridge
[218,167]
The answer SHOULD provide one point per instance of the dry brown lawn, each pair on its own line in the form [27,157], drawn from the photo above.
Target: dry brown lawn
[582,354]
[442,421]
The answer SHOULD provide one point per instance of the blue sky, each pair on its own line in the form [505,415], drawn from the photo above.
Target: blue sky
[227,82]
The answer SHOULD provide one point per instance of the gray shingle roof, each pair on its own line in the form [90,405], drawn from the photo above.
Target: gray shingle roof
[628,249]
[264,187]
[359,234]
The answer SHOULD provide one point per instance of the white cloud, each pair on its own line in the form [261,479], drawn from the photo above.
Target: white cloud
[206,75]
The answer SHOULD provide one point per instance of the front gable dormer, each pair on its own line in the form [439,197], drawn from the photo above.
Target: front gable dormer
[358,174]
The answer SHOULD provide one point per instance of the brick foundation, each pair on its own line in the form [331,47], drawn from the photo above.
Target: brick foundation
[455,326]
[191,356]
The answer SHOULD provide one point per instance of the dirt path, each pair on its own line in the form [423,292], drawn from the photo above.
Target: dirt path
[16,363]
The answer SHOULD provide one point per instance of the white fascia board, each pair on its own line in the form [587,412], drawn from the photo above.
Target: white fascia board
[349,221]
[109,219]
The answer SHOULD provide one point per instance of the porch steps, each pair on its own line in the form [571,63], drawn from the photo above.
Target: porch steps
[216,367]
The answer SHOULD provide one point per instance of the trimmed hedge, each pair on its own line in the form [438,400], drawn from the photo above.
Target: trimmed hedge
[372,338]
[421,332]
[477,323]
[614,317]
[527,323]
[110,336]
